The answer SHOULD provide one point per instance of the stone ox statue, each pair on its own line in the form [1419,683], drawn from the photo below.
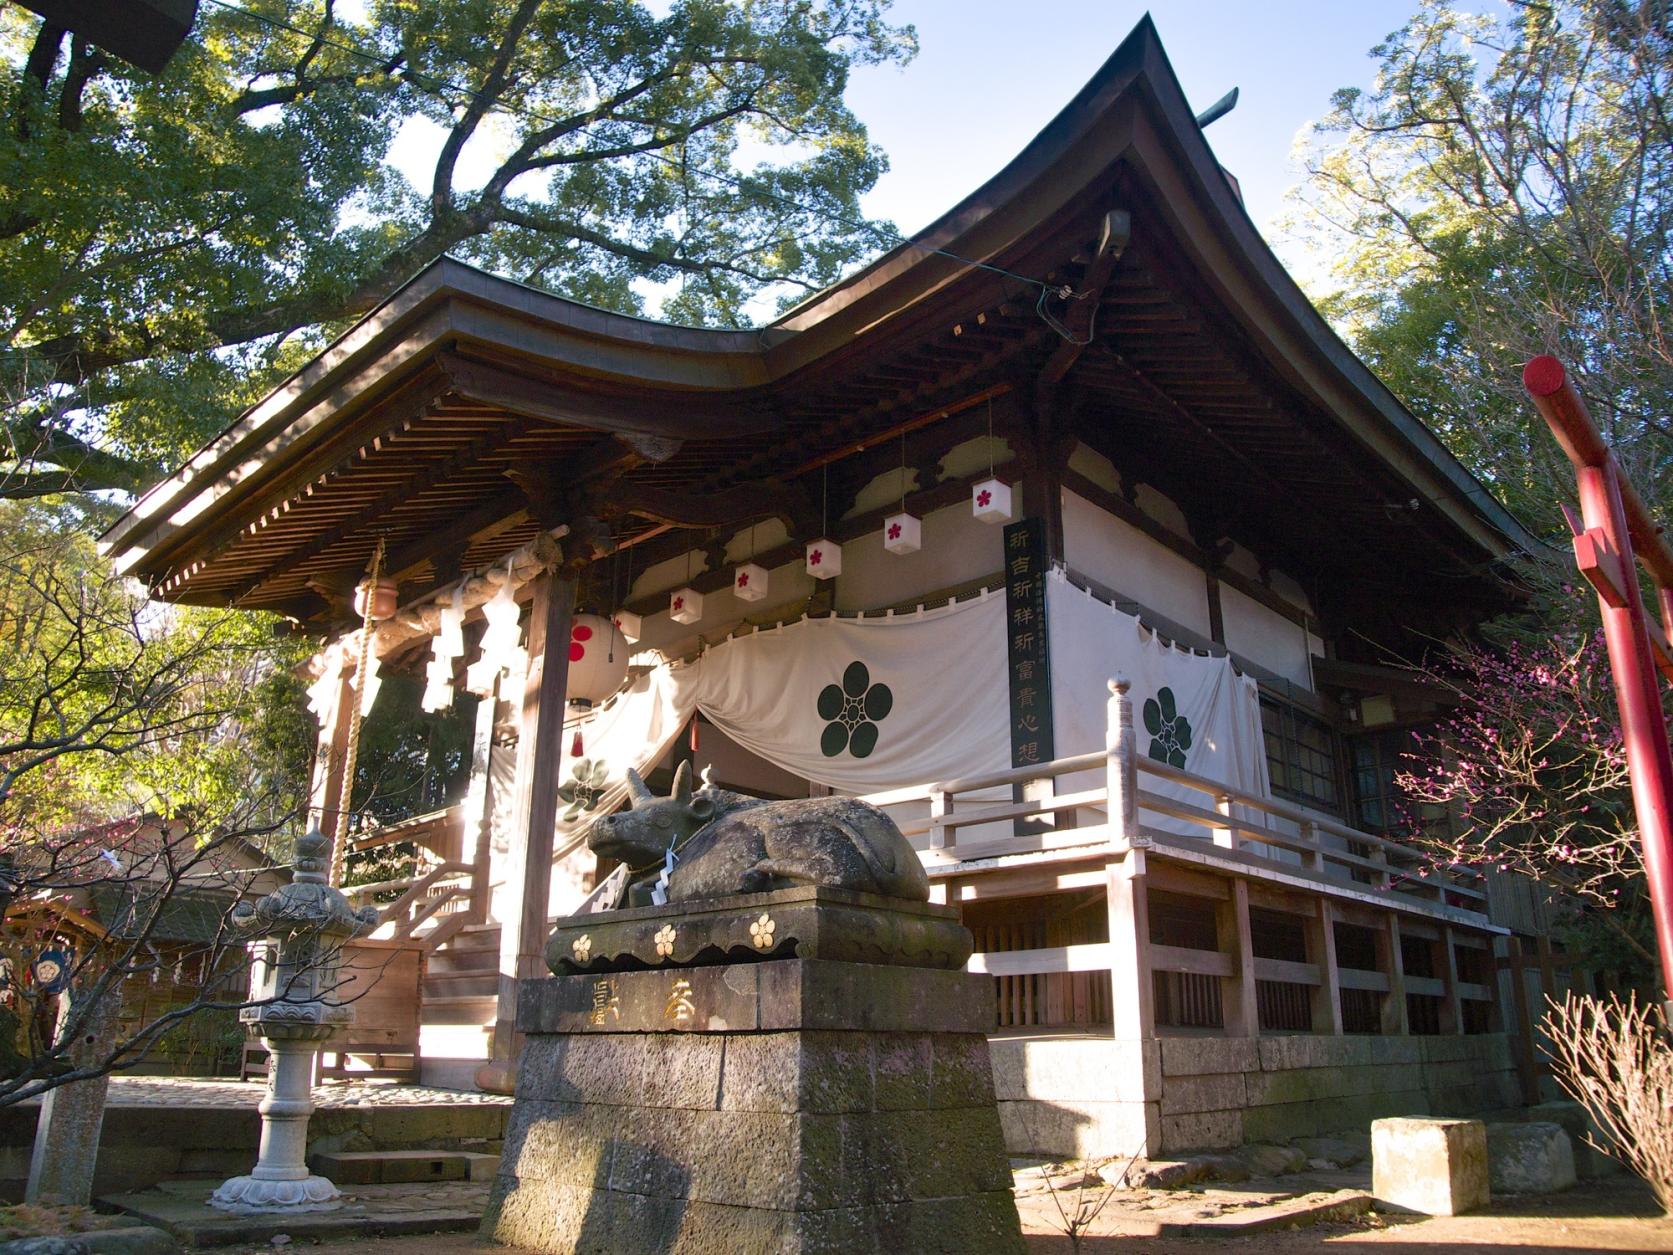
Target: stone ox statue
[726,843]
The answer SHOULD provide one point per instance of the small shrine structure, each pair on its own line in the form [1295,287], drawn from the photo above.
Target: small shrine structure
[895,544]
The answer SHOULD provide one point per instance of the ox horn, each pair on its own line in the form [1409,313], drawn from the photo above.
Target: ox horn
[636,788]
[682,782]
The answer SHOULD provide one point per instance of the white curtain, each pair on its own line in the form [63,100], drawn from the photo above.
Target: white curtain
[1190,709]
[858,704]
[880,702]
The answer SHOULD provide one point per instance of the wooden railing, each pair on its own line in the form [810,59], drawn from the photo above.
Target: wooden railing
[1230,819]
[444,890]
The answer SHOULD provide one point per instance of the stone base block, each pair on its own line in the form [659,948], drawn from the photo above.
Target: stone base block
[743,1122]
[1533,1158]
[1436,1167]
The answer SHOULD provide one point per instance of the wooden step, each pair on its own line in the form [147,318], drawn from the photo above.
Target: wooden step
[463,1009]
[460,985]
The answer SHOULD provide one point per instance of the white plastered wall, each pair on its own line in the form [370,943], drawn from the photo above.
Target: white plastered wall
[1125,560]
[1266,637]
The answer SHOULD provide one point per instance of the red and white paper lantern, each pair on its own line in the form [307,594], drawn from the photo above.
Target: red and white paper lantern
[902,534]
[597,659]
[749,582]
[824,559]
[630,625]
[685,605]
[990,501]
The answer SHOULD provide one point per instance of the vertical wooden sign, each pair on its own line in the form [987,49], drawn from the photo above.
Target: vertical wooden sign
[1026,644]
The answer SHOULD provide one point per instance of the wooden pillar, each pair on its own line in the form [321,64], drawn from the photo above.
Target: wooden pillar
[1327,994]
[1233,936]
[1396,1023]
[1121,765]
[1527,1060]
[534,823]
[1131,991]
[1452,1010]
[325,782]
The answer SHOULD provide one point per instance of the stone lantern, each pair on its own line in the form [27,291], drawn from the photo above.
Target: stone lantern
[295,1010]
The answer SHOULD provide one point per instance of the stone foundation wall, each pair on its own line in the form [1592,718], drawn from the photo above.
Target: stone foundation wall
[1079,1098]
[1091,1098]
[1219,1092]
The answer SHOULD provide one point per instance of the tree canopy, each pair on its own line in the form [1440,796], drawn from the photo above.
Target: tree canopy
[171,245]
[1503,189]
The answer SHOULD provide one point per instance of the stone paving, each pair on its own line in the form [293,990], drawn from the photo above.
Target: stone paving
[368,1210]
[171,1091]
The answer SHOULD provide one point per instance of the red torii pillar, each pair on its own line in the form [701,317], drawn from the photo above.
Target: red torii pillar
[1614,517]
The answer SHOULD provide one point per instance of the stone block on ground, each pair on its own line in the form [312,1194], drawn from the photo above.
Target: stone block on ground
[1584,1137]
[1271,1161]
[1342,1150]
[1432,1166]
[1533,1158]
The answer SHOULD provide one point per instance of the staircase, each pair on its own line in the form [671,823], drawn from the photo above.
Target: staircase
[461,981]
[441,912]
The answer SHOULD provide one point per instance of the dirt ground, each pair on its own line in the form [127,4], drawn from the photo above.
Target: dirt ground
[1618,1216]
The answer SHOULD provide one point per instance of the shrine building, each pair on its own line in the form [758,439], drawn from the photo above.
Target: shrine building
[896,544]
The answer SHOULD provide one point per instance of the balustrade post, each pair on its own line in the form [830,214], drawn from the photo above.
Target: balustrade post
[1315,854]
[1225,837]
[1121,770]
[940,806]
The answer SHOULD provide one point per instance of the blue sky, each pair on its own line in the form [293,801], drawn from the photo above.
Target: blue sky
[991,73]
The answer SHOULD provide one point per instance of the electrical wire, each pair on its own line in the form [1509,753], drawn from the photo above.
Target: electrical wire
[392,66]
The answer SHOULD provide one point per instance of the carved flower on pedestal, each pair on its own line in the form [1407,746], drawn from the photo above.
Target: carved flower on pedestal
[665,940]
[761,932]
[582,947]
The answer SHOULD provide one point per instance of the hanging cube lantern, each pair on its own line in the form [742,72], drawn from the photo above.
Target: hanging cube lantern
[902,534]
[824,559]
[629,625]
[685,605]
[990,501]
[597,659]
[749,582]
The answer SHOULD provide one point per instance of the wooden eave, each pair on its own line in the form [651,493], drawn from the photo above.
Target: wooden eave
[1211,377]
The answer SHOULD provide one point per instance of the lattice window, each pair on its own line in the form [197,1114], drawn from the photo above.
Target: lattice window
[1300,754]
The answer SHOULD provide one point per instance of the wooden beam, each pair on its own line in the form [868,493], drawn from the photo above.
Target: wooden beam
[1452,1014]
[1233,935]
[1393,965]
[427,476]
[1526,1051]
[1321,947]
[682,414]
[1081,320]
[1131,987]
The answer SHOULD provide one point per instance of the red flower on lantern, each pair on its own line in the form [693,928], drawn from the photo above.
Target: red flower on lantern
[679,603]
[984,497]
[816,557]
[894,531]
[743,579]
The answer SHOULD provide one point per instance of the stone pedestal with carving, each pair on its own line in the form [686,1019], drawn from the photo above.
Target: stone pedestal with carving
[711,1082]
